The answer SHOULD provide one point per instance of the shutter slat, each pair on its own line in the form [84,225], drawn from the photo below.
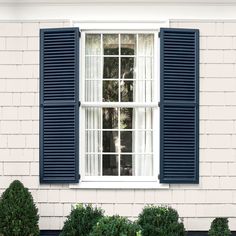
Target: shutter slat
[59,120]
[179,106]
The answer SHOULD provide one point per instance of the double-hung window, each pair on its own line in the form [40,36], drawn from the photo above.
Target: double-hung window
[119,106]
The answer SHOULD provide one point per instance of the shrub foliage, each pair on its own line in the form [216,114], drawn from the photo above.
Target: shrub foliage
[81,220]
[115,226]
[219,227]
[18,213]
[160,221]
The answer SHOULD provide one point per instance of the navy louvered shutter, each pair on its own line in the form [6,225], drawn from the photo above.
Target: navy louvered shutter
[179,106]
[59,105]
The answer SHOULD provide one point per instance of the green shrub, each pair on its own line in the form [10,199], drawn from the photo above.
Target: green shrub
[160,221]
[18,213]
[219,227]
[115,226]
[81,220]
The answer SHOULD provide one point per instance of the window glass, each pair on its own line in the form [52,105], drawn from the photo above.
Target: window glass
[119,69]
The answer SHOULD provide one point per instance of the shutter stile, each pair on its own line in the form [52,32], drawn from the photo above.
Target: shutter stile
[59,111]
[179,106]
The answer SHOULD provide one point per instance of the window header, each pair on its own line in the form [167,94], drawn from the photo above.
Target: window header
[126,25]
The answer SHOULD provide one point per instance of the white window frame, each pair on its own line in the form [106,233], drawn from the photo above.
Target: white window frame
[121,182]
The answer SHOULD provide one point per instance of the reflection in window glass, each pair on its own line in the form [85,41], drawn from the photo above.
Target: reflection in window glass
[126,91]
[111,44]
[126,165]
[111,67]
[128,44]
[126,118]
[110,91]
[110,118]
[110,164]
[127,67]
[110,141]
[126,141]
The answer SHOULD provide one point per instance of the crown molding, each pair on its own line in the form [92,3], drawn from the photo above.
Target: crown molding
[123,2]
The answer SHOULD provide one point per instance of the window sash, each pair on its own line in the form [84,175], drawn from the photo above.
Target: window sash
[154,105]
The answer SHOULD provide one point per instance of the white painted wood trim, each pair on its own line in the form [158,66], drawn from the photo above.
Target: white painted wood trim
[119,104]
[107,25]
[87,2]
[119,185]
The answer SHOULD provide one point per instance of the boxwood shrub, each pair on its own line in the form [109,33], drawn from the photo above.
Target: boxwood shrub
[18,213]
[219,227]
[115,226]
[160,221]
[81,220]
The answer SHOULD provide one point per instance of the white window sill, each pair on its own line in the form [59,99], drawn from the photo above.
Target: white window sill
[118,185]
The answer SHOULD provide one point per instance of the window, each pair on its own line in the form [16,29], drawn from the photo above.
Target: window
[109,130]
[119,105]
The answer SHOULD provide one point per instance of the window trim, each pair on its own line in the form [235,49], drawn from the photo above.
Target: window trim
[125,182]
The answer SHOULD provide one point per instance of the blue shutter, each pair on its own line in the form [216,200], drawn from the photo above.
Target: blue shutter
[179,106]
[59,105]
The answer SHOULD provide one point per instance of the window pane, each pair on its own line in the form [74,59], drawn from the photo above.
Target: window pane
[145,44]
[126,141]
[126,165]
[143,118]
[93,165]
[144,165]
[111,68]
[126,90]
[93,141]
[111,44]
[110,141]
[126,118]
[93,44]
[110,118]
[142,141]
[127,67]
[128,44]
[93,91]
[92,67]
[110,91]
[143,91]
[145,70]
[110,164]
[93,118]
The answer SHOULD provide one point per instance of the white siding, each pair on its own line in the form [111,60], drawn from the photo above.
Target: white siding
[19,128]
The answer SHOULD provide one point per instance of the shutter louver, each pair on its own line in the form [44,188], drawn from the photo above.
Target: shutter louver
[59,110]
[179,144]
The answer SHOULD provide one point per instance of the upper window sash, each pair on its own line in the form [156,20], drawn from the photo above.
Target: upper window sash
[156,96]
